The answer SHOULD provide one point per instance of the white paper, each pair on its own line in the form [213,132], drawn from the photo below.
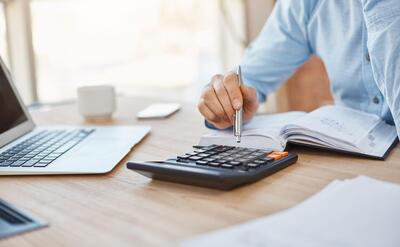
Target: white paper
[358,212]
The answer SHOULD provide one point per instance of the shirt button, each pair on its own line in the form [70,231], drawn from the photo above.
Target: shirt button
[368,57]
[376,100]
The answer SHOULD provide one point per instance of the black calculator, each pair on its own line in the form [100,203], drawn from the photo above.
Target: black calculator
[216,166]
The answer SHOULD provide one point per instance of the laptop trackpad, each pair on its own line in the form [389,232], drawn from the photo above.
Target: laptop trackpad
[101,147]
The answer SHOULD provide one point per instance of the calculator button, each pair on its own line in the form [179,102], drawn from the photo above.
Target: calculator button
[284,153]
[201,162]
[258,153]
[209,159]
[214,164]
[185,156]
[227,166]
[205,147]
[260,162]
[253,165]
[235,163]
[194,158]
[190,154]
[203,155]
[243,160]
[200,147]
[277,155]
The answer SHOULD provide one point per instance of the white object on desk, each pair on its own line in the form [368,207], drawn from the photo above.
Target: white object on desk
[96,101]
[158,110]
[357,212]
[335,128]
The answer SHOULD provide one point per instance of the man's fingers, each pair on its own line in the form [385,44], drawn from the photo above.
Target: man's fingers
[223,96]
[212,102]
[212,117]
[206,112]
[231,84]
[224,99]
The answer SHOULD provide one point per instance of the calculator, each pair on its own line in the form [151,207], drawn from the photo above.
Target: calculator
[216,166]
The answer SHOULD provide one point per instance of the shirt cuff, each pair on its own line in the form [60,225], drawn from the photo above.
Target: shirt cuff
[211,126]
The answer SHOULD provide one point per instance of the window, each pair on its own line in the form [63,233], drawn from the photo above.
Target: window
[138,46]
[3,35]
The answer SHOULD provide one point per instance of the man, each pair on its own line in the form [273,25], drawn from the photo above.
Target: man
[358,40]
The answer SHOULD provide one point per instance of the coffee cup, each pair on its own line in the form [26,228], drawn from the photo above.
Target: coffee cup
[96,102]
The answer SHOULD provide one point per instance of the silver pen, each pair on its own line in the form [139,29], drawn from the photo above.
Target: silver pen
[237,125]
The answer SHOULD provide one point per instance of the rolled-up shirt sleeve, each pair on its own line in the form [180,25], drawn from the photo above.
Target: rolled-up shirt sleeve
[383,28]
[281,47]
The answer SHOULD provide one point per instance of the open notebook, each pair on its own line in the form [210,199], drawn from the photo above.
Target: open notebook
[329,127]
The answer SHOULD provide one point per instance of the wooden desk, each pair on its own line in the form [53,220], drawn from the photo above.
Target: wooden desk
[123,208]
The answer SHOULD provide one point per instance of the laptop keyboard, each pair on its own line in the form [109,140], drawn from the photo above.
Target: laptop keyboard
[43,148]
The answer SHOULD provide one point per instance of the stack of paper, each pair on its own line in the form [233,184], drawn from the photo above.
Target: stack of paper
[357,212]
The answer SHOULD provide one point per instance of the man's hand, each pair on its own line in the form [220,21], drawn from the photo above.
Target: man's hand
[223,96]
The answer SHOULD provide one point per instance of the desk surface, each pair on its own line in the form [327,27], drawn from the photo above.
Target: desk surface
[123,208]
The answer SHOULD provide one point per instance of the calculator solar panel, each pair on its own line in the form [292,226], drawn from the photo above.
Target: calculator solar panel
[216,166]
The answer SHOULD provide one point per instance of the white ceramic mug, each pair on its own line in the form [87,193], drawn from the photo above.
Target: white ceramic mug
[96,101]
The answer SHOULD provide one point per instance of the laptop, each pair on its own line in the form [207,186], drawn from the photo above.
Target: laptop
[26,149]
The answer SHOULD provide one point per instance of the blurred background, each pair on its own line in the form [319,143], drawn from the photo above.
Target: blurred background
[166,49]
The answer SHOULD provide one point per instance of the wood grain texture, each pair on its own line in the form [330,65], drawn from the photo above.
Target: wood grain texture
[123,208]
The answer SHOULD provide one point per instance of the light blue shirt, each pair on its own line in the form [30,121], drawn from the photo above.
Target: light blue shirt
[358,40]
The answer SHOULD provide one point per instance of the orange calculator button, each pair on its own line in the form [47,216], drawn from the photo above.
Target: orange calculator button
[277,155]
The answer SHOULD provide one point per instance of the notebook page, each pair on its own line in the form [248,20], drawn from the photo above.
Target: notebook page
[378,140]
[261,132]
[336,124]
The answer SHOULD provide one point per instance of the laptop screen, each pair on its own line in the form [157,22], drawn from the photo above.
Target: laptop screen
[11,112]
